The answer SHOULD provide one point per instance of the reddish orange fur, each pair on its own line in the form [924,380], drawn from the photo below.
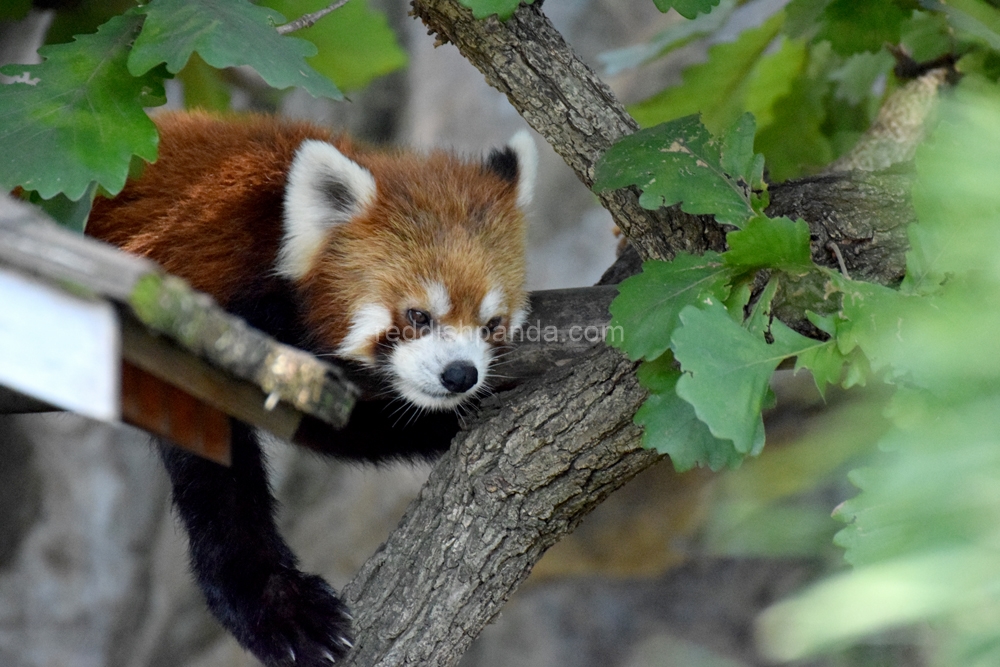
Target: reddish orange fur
[435,219]
[209,210]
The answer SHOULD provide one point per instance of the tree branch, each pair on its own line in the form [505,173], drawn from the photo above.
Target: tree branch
[527,59]
[538,458]
[307,20]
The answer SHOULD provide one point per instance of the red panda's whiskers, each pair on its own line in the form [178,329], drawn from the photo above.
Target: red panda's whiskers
[407,407]
[416,414]
[400,410]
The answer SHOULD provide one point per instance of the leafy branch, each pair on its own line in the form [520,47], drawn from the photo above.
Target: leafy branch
[575,112]
[698,308]
[714,313]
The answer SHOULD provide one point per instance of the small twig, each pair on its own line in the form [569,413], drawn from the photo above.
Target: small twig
[835,249]
[309,19]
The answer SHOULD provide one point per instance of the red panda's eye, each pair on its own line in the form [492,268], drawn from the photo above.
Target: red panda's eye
[490,327]
[418,318]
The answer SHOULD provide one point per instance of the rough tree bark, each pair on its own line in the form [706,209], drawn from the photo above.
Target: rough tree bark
[537,459]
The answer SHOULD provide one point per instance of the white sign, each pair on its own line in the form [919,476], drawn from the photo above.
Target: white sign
[59,348]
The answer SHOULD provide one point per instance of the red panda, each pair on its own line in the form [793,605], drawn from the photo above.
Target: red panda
[409,265]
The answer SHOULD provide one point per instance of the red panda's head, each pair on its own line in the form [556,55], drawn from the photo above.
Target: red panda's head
[413,265]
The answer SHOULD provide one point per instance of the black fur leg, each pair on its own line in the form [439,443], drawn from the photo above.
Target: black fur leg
[246,571]
[301,622]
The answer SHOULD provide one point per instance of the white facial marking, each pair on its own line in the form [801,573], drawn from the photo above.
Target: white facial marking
[438,299]
[527,166]
[491,305]
[325,188]
[368,323]
[518,318]
[417,365]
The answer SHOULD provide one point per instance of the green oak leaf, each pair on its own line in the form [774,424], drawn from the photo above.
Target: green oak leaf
[923,260]
[648,304]
[727,369]
[717,88]
[925,340]
[686,8]
[78,116]
[740,291]
[760,324]
[759,321]
[794,142]
[772,78]
[226,33]
[907,501]
[670,425]
[872,318]
[802,17]
[927,35]
[737,156]
[928,341]
[681,161]
[852,26]
[825,362]
[356,44]
[672,37]
[976,18]
[71,214]
[956,203]
[504,9]
[777,243]
[857,76]
[858,370]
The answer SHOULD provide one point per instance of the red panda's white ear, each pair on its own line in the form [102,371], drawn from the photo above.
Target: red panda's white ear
[527,166]
[324,188]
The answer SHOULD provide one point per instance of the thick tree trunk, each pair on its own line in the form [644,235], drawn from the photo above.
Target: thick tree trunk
[538,460]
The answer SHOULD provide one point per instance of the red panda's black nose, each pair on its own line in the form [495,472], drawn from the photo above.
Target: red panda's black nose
[459,376]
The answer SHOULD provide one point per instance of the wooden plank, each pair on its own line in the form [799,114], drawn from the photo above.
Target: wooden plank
[167,411]
[33,245]
[36,246]
[168,305]
[243,400]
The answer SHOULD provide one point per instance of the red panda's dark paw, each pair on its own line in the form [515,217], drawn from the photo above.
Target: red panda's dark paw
[302,623]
